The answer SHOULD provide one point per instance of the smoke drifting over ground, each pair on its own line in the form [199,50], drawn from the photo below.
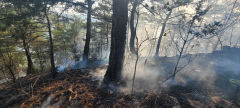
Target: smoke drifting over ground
[203,76]
[213,72]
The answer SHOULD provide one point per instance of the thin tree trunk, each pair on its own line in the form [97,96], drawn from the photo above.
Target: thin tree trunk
[53,69]
[217,43]
[182,49]
[230,43]
[75,51]
[12,73]
[9,66]
[155,39]
[88,34]
[132,27]
[178,60]
[118,41]
[107,42]
[40,58]
[101,48]
[162,32]
[30,68]
[135,66]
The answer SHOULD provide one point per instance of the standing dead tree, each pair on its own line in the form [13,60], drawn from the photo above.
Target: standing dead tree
[188,36]
[137,52]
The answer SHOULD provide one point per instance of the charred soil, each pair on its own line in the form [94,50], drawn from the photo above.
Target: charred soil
[79,88]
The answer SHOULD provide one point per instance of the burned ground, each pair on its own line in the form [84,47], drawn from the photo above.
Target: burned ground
[80,88]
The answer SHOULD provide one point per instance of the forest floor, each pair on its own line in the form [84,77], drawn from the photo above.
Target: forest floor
[79,89]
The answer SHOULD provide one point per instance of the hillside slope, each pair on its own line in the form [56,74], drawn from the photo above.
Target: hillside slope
[79,88]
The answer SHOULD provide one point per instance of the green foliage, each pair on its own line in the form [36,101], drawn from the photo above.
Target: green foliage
[10,56]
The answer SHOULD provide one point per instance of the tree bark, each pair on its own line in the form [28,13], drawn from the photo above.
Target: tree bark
[162,32]
[88,34]
[53,69]
[118,41]
[132,27]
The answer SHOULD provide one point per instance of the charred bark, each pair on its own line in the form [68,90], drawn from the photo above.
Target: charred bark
[118,41]
[88,34]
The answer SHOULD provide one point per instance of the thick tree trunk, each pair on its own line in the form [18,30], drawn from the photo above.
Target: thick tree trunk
[162,32]
[30,68]
[53,69]
[132,27]
[118,41]
[88,34]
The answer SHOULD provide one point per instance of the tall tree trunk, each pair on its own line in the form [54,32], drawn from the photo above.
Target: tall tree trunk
[53,69]
[88,34]
[162,32]
[30,68]
[132,27]
[118,41]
